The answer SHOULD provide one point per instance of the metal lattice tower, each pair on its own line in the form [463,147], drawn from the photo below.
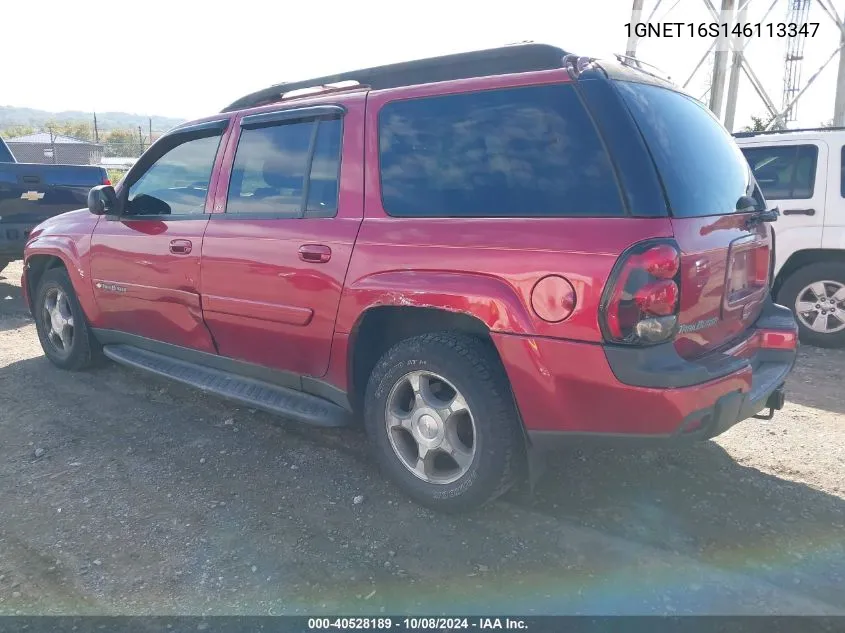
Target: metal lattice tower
[798,13]
[730,63]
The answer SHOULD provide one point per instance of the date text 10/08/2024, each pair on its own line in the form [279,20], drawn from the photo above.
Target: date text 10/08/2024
[720,29]
[416,623]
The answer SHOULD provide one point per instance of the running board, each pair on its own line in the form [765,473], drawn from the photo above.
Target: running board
[257,394]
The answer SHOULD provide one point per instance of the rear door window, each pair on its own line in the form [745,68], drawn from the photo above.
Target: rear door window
[516,152]
[288,170]
[784,172]
[702,169]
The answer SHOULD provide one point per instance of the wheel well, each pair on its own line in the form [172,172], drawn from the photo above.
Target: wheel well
[381,327]
[36,266]
[804,258]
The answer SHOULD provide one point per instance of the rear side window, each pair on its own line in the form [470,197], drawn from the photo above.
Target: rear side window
[5,153]
[784,172]
[519,152]
[702,169]
[287,170]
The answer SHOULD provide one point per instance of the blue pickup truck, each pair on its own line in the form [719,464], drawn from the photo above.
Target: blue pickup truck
[30,193]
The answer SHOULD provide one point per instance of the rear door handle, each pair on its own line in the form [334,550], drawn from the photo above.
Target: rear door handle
[180,247]
[799,212]
[315,253]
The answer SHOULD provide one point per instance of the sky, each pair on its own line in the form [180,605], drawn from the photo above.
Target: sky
[186,58]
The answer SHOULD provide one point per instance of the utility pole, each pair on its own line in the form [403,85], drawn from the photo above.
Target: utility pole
[736,68]
[839,104]
[52,145]
[720,65]
[140,139]
[96,130]
[636,13]
[151,130]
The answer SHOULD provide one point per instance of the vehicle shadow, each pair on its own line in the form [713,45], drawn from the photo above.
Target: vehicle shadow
[698,501]
[11,305]
[816,380]
[308,523]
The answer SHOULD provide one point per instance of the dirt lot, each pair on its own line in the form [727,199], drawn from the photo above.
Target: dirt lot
[120,493]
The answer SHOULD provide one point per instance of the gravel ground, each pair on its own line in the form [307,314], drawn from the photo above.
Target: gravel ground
[122,494]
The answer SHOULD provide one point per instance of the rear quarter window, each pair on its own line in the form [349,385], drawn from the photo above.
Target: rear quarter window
[702,169]
[517,152]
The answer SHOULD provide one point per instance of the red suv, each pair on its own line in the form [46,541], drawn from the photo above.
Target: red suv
[477,255]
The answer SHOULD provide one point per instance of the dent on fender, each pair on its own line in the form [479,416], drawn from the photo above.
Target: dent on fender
[488,299]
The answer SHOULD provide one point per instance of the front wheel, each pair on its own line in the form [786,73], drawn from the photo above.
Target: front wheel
[442,420]
[816,294]
[62,329]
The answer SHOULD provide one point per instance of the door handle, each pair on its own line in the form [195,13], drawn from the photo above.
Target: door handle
[180,247]
[799,212]
[315,253]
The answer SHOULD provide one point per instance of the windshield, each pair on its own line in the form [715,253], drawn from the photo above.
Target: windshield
[702,169]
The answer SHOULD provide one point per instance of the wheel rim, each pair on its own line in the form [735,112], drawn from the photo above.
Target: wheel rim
[58,320]
[430,427]
[821,306]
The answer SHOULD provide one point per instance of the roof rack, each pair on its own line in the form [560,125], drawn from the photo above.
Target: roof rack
[802,129]
[514,58]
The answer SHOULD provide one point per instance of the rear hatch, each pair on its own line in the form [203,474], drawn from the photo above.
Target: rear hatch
[725,254]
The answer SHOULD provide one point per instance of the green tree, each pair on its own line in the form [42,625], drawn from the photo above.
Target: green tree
[74,129]
[122,143]
[759,124]
[13,131]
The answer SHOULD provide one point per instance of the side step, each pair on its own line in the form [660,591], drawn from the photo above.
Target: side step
[257,394]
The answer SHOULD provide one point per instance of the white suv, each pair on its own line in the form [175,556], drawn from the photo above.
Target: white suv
[803,173]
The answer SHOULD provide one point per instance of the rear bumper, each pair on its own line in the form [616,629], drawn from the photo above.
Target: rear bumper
[13,237]
[565,389]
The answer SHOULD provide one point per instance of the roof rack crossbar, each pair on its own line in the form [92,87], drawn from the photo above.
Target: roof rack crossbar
[512,58]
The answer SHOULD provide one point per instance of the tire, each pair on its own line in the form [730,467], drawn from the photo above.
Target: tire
[77,351]
[797,288]
[469,368]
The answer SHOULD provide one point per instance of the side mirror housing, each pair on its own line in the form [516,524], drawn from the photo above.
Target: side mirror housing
[102,200]
[746,204]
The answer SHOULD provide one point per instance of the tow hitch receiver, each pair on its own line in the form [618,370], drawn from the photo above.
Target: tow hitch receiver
[774,403]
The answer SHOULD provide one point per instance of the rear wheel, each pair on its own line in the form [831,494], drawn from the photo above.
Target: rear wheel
[440,414]
[62,329]
[816,293]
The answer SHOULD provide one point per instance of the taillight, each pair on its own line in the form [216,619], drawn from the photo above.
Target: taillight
[641,301]
[106,180]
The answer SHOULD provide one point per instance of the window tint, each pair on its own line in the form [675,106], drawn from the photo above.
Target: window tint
[842,173]
[177,183]
[515,153]
[702,169]
[784,172]
[274,170]
[5,153]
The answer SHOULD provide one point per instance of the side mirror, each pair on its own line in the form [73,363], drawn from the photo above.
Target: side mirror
[102,200]
[746,204]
